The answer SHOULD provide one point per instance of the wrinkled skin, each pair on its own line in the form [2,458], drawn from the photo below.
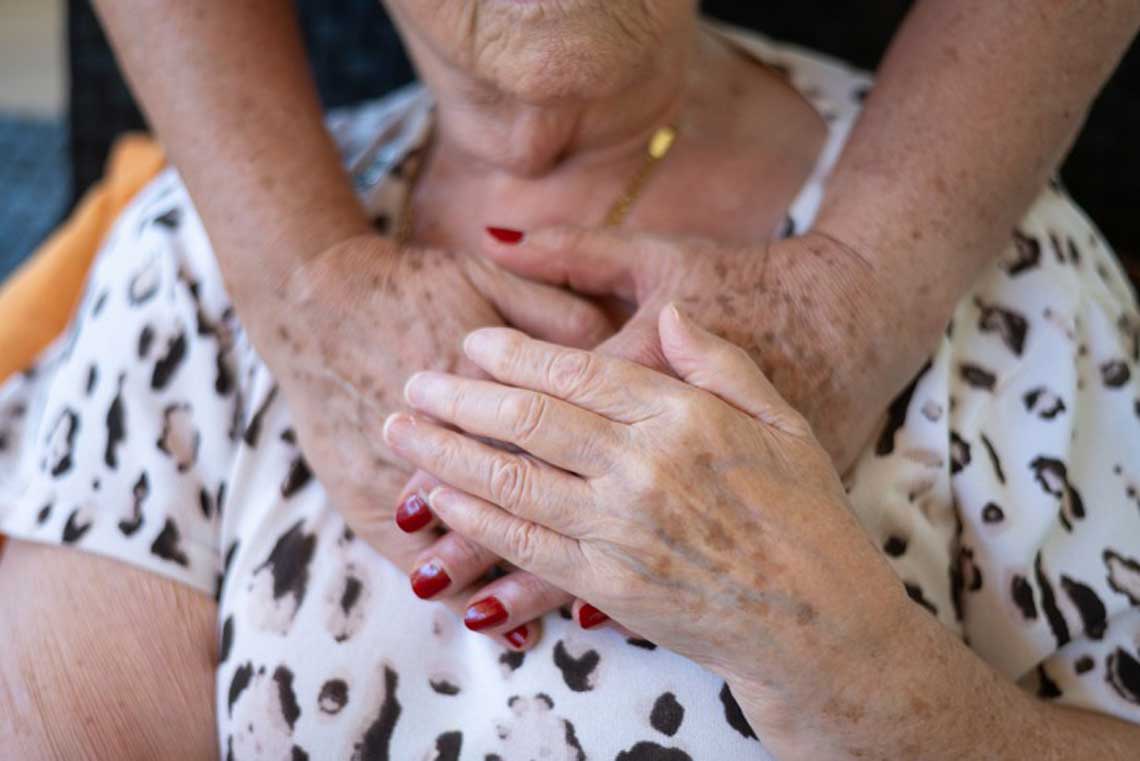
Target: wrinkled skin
[802,308]
[699,512]
[410,308]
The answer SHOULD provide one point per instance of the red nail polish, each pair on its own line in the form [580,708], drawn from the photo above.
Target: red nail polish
[589,616]
[506,235]
[485,613]
[413,514]
[517,637]
[429,580]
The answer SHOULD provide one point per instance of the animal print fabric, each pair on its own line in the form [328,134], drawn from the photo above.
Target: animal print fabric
[1003,488]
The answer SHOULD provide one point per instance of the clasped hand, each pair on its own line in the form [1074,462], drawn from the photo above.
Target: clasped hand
[696,510]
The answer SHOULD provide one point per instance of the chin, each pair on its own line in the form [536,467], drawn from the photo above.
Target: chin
[540,50]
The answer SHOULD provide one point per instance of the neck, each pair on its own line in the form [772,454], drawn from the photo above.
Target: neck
[490,131]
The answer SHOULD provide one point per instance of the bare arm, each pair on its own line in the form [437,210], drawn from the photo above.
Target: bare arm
[227,88]
[975,106]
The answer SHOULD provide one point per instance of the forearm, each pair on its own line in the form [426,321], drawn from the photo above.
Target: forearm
[974,107]
[227,89]
[928,697]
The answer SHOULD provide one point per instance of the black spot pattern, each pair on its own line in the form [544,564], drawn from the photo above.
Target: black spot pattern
[1053,614]
[243,674]
[1115,373]
[1047,689]
[959,453]
[298,477]
[896,415]
[290,711]
[1053,477]
[914,592]
[289,563]
[994,459]
[512,659]
[1022,593]
[116,429]
[644,644]
[1123,673]
[977,376]
[667,714]
[651,751]
[1026,254]
[576,672]
[444,687]
[169,363]
[1043,402]
[139,493]
[895,546]
[1123,575]
[373,745]
[253,430]
[733,715]
[333,697]
[43,515]
[447,746]
[74,529]
[92,380]
[61,443]
[146,339]
[992,513]
[1009,325]
[227,642]
[1084,665]
[1093,613]
[167,544]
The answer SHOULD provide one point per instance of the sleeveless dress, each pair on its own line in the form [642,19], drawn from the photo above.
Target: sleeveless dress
[1003,488]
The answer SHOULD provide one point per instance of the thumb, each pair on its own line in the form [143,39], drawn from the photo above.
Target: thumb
[603,261]
[722,368]
[637,342]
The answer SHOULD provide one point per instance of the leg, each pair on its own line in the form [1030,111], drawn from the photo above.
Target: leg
[101,660]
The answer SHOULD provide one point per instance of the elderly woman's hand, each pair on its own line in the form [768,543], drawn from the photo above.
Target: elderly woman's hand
[836,337]
[350,328]
[705,516]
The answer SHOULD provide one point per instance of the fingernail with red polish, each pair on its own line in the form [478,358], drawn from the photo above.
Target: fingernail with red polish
[413,514]
[485,613]
[429,580]
[506,235]
[589,616]
[517,637]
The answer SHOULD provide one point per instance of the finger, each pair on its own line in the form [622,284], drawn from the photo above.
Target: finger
[543,311]
[449,566]
[529,489]
[593,261]
[512,601]
[528,545]
[614,388]
[586,615]
[638,342]
[550,429]
[412,511]
[723,368]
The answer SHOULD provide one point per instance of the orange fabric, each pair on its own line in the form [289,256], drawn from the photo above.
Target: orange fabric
[37,302]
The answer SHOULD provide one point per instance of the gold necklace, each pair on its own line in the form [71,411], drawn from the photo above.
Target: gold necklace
[655,150]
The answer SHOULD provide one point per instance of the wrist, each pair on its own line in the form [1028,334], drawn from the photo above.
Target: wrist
[311,289]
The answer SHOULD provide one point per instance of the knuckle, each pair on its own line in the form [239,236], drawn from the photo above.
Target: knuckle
[508,481]
[571,373]
[526,412]
[585,323]
[522,539]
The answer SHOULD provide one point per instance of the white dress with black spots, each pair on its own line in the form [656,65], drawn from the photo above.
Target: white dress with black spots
[1003,488]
